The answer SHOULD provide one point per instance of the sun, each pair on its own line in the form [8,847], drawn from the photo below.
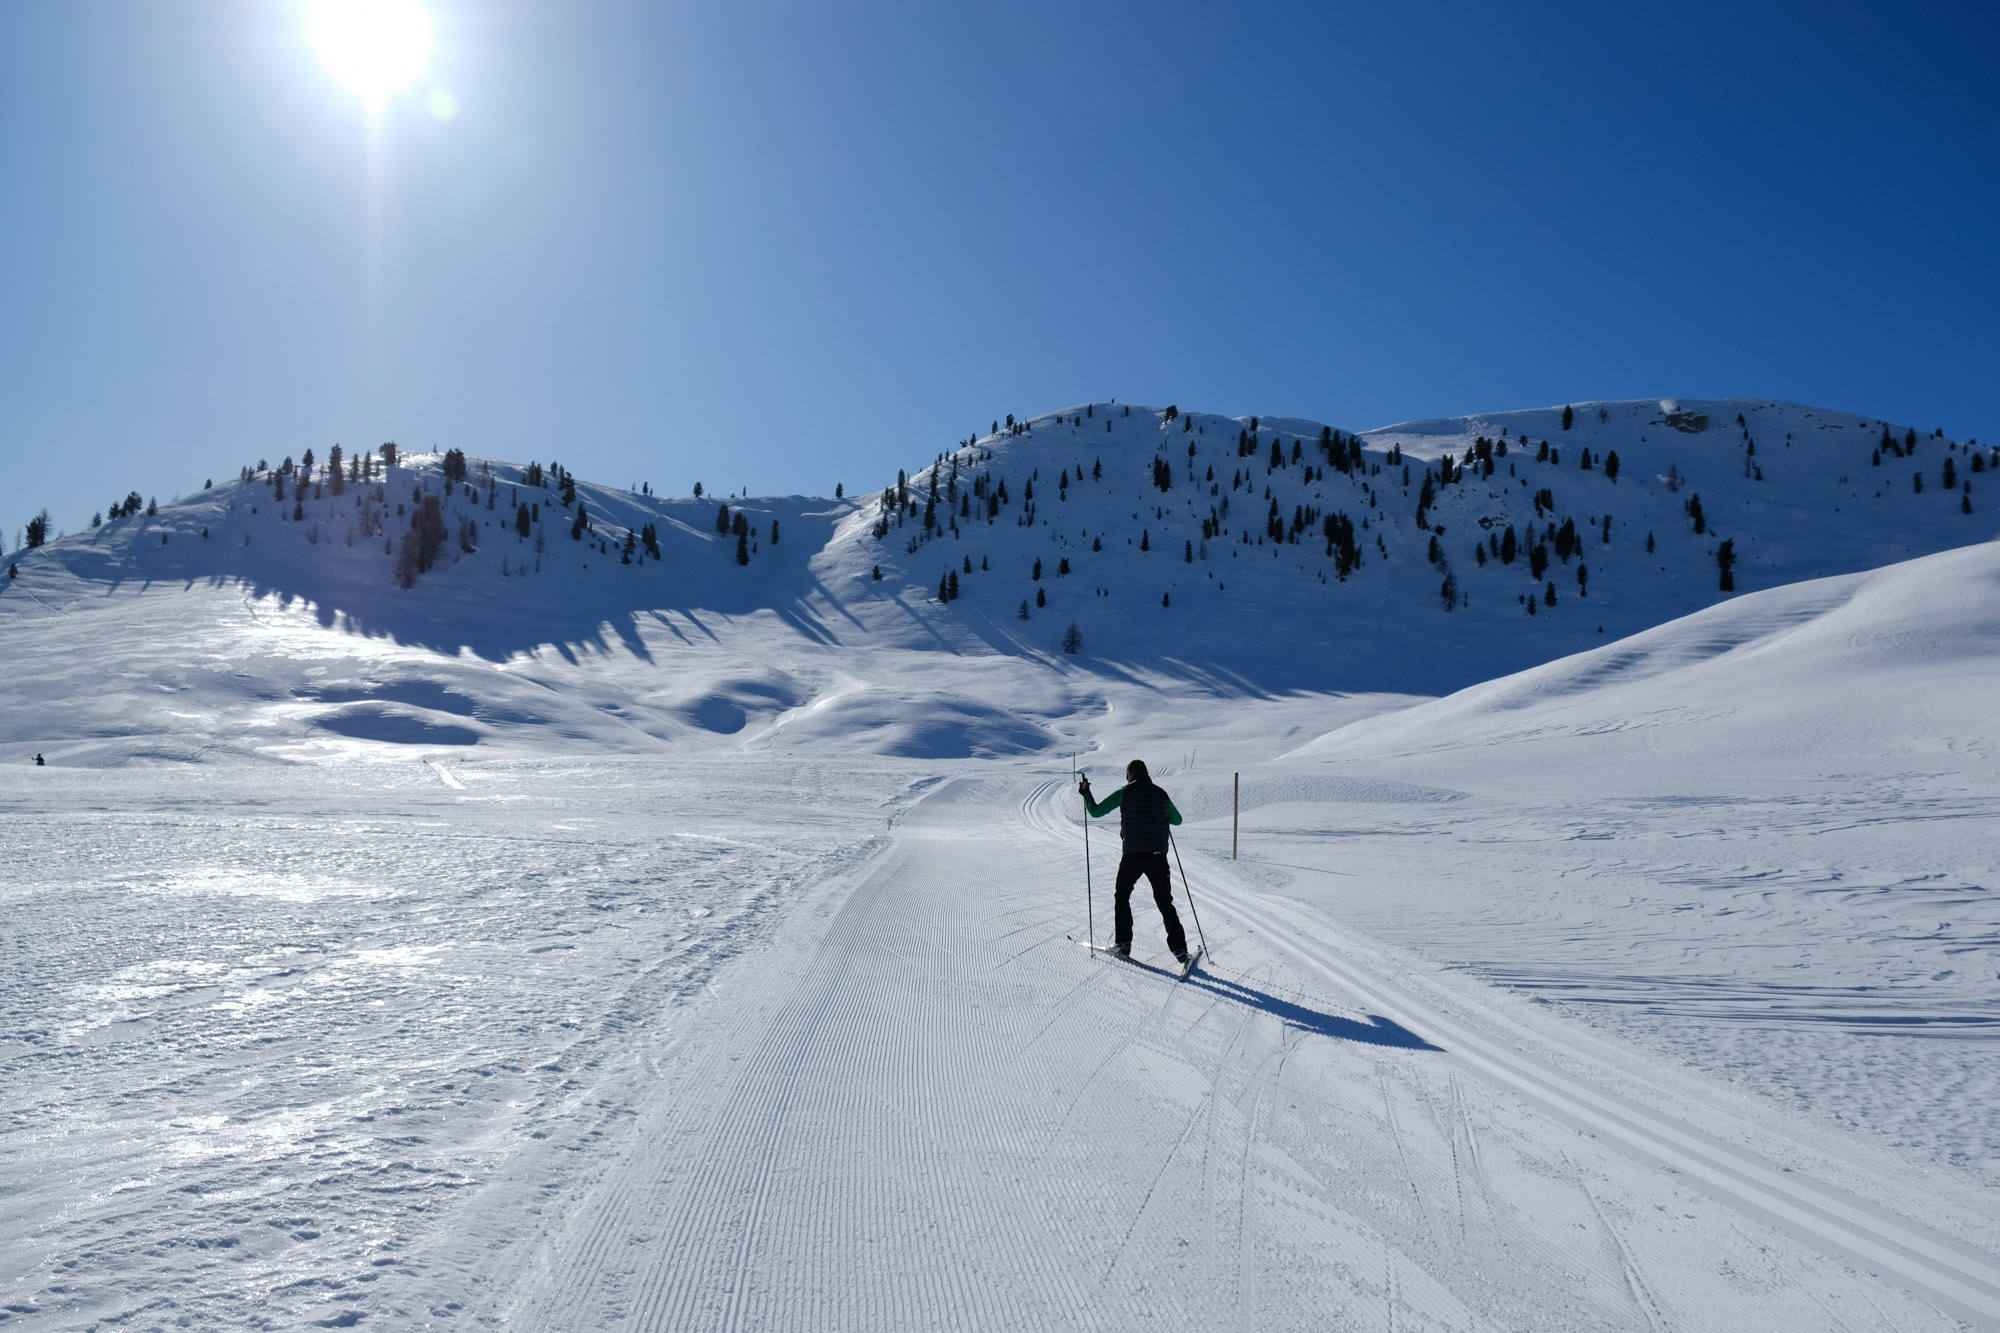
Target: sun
[372,46]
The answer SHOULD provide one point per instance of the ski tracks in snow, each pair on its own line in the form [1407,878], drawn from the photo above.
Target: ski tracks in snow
[1936,1269]
[930,1109]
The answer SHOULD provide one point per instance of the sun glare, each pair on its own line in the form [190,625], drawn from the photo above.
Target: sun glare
[372,46]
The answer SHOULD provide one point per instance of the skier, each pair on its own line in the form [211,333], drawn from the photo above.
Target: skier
[39,763]
[1145,812]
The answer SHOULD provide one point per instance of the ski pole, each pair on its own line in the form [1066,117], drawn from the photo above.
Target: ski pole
[1200,934]
[1089,898]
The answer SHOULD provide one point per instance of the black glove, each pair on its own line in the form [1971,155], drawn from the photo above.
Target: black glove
[1083,786]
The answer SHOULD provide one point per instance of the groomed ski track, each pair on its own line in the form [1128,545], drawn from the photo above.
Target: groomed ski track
[924,1107]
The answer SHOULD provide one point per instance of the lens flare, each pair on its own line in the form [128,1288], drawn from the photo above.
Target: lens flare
[372,46]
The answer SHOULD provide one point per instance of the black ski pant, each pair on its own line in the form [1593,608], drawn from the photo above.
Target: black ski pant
[1153,865]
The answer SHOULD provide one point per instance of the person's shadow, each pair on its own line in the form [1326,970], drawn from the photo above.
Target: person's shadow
[1377,1031]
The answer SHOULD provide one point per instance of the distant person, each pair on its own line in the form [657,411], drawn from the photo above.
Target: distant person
[39,763]
[1144,814]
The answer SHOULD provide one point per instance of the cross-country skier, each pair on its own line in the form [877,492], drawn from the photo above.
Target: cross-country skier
[1144,813]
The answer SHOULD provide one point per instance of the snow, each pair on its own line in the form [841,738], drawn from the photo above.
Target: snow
[694,944]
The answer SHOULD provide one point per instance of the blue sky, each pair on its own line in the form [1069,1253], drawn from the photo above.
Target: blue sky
[777,246]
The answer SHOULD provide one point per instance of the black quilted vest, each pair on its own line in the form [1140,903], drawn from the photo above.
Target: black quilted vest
[1142,819]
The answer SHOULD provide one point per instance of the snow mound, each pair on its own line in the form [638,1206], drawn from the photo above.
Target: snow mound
[726,706]
[395,725]
[1809,678]
[934,725]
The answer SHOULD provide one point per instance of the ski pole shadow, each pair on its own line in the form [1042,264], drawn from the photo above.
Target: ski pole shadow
[1377,1031]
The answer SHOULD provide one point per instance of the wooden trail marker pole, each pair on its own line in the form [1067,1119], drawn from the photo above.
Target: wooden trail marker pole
[1235,803]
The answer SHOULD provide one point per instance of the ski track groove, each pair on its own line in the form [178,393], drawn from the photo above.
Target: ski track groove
[1635,1281]
[1395,1122]
[1216,1214]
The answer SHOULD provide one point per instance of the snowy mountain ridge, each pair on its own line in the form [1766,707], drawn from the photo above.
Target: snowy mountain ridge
[1235,556]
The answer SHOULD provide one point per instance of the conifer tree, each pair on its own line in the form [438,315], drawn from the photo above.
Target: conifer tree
[743,546]
[1725,561]
[38,530]
[1569,416]
[1072,639]
[1041,597]
[576,528]
[1023,612]
[722,520]
[428,532]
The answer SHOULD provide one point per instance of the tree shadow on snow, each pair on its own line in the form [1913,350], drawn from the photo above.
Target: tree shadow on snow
[1377,1031]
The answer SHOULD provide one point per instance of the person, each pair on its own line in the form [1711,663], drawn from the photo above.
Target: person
[1145,812]
[39,763]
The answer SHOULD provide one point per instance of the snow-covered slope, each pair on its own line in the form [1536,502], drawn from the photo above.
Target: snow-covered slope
[1190,552]
[1889,668]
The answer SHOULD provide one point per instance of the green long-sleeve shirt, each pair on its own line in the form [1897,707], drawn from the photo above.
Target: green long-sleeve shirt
[1117,798]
